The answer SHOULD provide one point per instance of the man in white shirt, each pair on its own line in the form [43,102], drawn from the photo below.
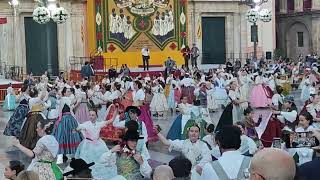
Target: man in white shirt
[145,58]
[231,164]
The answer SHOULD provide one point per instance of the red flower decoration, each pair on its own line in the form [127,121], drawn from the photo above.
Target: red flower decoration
[183,34]
[98,1]
[173,46]
[111,48]
[99,36]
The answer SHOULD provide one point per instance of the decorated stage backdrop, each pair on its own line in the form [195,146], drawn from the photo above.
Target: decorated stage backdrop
[124,27]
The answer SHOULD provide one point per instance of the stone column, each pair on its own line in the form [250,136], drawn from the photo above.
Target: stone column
[16,37]
[283,6]
[315,5]
[298,5]
[237,36]
[315,34]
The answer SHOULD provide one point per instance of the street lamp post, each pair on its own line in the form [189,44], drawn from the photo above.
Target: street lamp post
[253,16]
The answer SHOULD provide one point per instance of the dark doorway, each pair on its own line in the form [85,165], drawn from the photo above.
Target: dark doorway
[213,41]
[41,47]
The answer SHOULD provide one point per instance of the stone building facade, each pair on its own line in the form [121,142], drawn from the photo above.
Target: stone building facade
[237,29]
[72,38]
[12,33]
[298,27]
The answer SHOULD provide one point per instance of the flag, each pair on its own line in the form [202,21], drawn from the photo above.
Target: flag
[199,32]
[82,32]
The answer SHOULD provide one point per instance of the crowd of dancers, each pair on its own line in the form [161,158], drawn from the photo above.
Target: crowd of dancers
[56,120]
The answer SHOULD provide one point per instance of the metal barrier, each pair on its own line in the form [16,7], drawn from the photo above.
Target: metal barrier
[3,93]
[11,72]
[206,57]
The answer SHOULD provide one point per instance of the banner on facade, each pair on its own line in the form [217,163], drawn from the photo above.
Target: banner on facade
[129,25]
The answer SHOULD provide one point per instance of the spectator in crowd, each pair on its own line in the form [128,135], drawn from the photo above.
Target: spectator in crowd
[112,73]
[80,169]
[84,70]
[181,167]
[310,170]
[231,164]
[13,169]
[272,163]
[163,172]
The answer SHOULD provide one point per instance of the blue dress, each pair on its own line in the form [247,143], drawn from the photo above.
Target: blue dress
[15,122]
[175,131]
[9,102]
[64,133]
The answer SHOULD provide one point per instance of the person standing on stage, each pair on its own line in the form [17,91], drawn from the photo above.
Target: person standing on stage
[195,53]
[186,54]
[145,57]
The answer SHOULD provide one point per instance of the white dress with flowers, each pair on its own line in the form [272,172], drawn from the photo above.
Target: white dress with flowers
[92,147]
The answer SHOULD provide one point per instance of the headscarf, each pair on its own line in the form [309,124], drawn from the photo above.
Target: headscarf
[163,172]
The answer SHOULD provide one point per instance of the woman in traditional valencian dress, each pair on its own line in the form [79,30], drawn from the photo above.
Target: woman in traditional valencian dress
[28,136]
[280,118]
[15,122]
[63,132]
[245,84]
[159,102]
[128,159]
[176,130]
[127,96]
[92,147]
[187,88]
[220,92]
[109,132]
[259,97]
[68,139]
[44,153]
[193,148]
[10,100]
[172,103]
[145,116]
[212,104]
[305,89]
[233,111]
[196,117]
[81,108]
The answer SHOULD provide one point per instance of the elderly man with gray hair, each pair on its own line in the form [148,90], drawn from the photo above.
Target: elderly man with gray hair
[272,164]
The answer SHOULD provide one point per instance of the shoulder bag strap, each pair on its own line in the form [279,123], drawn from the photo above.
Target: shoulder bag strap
[219,170]
[244,165]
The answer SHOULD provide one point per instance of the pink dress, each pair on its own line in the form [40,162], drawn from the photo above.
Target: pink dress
[259,97]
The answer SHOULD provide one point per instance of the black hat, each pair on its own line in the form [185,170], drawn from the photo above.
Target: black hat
[78,165]
[132,135]
[133,109]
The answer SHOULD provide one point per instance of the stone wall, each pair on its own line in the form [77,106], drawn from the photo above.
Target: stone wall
[12,35]
[238,33]
[288,25]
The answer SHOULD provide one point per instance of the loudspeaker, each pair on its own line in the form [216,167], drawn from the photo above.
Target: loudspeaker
[268,55]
